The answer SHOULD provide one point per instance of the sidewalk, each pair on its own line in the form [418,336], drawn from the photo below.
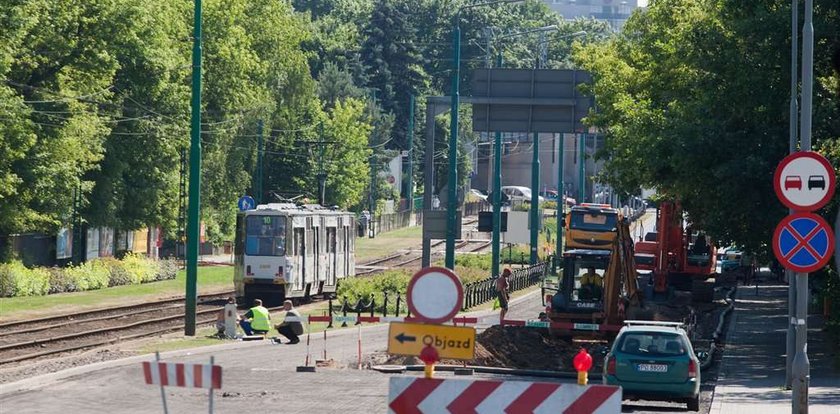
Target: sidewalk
[752,374]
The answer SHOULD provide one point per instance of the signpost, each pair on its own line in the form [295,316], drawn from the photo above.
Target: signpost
[803,242]
[452,342]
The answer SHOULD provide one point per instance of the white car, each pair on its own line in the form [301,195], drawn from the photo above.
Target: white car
[518,193]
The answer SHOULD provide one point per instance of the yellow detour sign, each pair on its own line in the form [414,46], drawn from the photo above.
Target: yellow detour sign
[451,342]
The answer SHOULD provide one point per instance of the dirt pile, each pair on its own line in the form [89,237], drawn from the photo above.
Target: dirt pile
[524,348]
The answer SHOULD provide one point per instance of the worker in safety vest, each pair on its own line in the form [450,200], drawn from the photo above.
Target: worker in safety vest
[256,320]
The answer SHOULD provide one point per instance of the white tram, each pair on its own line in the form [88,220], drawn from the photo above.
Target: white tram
[289,251]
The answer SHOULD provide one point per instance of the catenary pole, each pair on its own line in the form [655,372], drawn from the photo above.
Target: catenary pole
[452,182]
[790,348]
[260,154]
[195,179]
[409,175]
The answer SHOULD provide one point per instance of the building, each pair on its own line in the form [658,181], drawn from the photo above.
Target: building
[615,12]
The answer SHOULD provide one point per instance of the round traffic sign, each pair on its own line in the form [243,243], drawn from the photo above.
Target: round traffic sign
[804,181]
[803,242]
[435,294]
[246,203]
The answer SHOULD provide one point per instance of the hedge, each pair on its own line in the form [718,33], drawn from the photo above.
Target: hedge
[18,280]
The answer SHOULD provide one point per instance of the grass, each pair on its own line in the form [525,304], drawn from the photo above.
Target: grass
[210,279]
[386,243]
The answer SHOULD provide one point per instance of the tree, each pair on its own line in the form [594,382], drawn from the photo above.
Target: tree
[336,84]
[693,98]
[347,168]
[393,61]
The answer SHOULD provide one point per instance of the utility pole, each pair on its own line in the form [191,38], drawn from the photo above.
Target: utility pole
[790,348]
[452,198]
[497,192]
[582,169]
[409,179]
[561,203]
[195,178]
[258,187]
[801,366]
[322,174]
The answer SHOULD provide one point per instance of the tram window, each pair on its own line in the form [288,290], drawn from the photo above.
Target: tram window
[330,239]
[299,246]
[265,235]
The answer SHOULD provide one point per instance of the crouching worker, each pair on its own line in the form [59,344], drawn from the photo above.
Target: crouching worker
[256,320]
[291,329]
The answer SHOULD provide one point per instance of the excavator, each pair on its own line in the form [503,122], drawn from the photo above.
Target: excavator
[678,256]
[600,310]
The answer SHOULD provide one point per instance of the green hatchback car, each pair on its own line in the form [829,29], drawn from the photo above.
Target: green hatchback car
[654,361]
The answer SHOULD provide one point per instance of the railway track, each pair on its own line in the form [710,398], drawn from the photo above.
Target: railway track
[37,338]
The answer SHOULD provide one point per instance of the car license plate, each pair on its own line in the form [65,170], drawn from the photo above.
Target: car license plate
[653,368]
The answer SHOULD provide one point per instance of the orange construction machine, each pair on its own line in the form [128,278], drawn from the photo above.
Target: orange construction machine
[678,256]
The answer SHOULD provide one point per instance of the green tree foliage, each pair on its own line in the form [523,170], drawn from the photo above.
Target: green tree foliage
[693,97]
[347,168]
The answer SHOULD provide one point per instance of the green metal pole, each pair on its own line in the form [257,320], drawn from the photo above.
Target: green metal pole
[582,170]
[535,200]
[452,201]
[260,155]
[561,204]
[322,175]
[195,179]
[497,193]
[409,175]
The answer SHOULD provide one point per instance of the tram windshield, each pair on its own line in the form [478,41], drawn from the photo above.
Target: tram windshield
[265,235]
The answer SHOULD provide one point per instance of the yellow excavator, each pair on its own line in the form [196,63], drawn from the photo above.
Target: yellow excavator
[597,288]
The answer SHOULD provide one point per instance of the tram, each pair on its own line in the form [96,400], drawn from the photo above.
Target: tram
[285,251]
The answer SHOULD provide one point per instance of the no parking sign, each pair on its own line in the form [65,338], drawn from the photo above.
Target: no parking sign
[803,242]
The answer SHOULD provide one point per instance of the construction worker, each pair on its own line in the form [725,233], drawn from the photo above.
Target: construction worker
[590,284]
[256,320]
[291,329]
[502,286]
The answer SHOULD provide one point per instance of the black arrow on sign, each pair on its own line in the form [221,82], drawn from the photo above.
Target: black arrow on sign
[403,338]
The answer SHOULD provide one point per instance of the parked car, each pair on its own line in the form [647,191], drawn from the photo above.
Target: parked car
[476,194]
[654,361]
[519,193]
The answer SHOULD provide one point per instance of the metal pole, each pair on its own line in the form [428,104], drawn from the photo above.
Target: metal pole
[162,391]
[260,154]
[322,174]
[582,169]
[561,202]
[452,182]
[428,180]
[195,179]
[535,200]
[497,190]
[790,348]
[212,359]
[409,175]
[801,366]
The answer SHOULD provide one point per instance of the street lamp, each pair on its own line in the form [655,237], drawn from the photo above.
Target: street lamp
[452,198]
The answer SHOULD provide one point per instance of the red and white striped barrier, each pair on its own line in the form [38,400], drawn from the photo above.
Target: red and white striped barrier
[183,375]
[415,395]
[593,327]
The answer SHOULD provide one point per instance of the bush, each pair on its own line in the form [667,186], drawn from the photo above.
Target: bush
[18,280]
[118,274]
[551,205]
[60,281]
[89,275]
[362,288]
[167,269]
[141,269]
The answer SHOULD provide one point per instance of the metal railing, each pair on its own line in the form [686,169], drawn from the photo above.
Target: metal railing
[483,291]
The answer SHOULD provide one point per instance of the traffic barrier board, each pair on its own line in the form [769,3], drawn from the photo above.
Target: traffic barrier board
[803,242]
[804,181]
[456,396]
[183,375]
[434,294]
[453,342]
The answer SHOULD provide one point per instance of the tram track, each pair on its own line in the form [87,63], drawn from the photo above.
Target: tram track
[34,339]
